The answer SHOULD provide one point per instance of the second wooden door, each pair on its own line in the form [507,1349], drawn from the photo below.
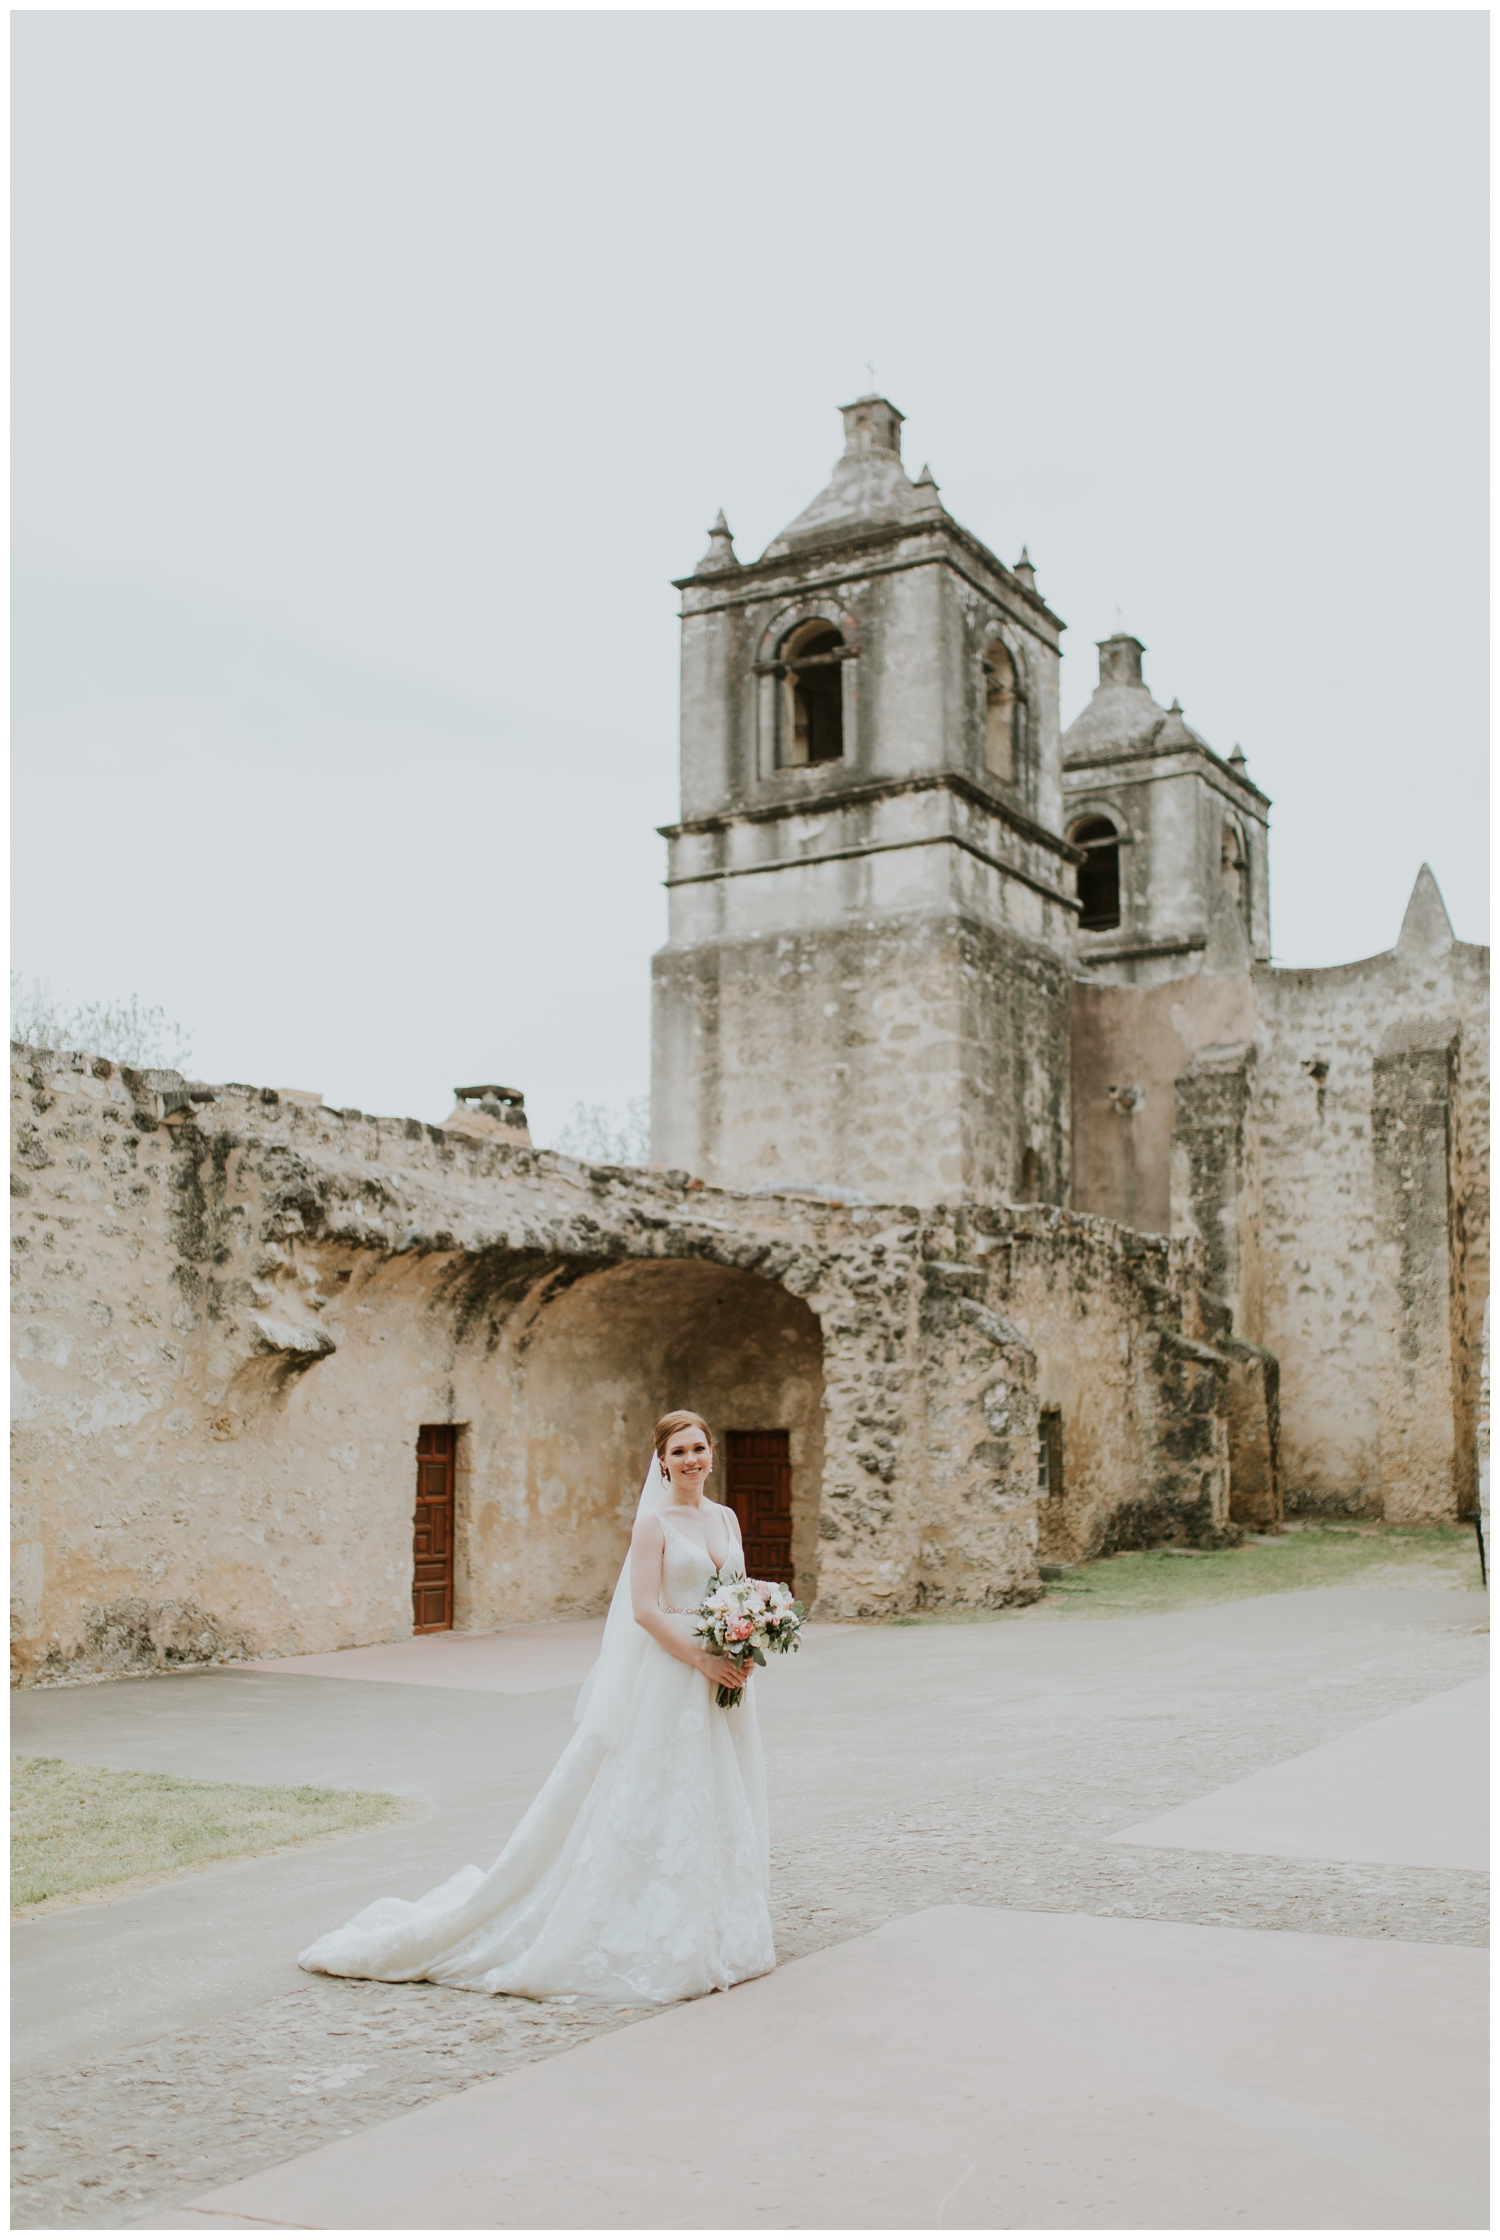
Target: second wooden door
[759,1488]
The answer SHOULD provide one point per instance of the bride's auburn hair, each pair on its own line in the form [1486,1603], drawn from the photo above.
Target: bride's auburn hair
[678,1420]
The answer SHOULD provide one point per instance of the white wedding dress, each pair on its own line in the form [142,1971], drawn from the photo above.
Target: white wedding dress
[640,1874]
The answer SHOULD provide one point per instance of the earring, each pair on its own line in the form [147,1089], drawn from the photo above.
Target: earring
[666,1474]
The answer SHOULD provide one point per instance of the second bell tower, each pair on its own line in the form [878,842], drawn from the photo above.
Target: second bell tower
[865,985]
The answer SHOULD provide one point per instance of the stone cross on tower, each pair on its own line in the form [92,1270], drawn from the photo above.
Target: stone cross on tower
[866,980]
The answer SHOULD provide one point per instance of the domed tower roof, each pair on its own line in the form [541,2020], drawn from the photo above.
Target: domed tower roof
[869,486]
[1122,717]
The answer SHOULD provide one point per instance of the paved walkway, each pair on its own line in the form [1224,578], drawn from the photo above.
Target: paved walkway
[1409,1790]
[971,2069]
[173,2043]
[522,1661]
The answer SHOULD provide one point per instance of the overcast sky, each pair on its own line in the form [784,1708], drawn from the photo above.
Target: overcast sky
[374,374]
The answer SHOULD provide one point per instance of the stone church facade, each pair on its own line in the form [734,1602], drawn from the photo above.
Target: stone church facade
[1007,1204]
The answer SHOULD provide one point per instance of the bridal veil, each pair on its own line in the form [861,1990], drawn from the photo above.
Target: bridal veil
[605,1695]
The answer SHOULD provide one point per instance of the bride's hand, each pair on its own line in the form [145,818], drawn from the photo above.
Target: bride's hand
[724,1670]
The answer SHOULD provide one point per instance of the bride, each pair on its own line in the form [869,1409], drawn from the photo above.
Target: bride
[641,1873]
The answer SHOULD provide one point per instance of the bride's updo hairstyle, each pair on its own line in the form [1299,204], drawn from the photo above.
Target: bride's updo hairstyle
[677,1421]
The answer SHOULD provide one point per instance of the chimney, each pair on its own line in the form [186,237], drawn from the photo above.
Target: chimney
[487,1109]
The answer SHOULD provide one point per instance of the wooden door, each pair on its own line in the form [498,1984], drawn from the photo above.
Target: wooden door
[432,1530]
[760,1493]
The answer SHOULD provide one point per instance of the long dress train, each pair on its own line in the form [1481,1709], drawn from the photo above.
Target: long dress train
[641,1872]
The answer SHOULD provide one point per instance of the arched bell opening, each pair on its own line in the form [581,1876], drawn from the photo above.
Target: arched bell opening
[1004,717]
[1098,874]
[812,714]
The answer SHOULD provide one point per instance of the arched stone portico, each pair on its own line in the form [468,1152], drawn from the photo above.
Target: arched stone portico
[570,1386]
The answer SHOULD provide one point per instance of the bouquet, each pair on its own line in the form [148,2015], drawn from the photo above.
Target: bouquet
[743,1618]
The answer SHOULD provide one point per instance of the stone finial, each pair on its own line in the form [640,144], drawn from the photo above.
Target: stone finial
[1024,571]
[1426,930]
[721,553]
[1120,659]
[1237,761]
[1174,732]
[871,424]
[927,492]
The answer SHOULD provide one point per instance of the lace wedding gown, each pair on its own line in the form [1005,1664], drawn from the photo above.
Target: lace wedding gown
[640,1874]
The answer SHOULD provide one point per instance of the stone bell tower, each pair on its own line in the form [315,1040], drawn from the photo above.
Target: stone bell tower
[865,985]
[1176,879]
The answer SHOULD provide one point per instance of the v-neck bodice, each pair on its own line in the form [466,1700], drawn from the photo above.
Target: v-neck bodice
[686,1569]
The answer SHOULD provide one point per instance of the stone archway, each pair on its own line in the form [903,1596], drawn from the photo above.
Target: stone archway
[556,1461]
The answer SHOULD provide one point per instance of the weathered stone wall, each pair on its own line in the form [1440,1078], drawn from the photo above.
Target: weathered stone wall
[1363,1262]
[1425,1469]
[1129,1045]
[232,1318]
[1255,1482]
[1328,1147]
[1217,1197]
[905,1055]
[1144,1401]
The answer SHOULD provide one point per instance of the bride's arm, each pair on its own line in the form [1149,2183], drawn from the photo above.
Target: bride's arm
[647,1546]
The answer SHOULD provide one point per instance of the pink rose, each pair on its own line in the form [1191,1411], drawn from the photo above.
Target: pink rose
[742,1629]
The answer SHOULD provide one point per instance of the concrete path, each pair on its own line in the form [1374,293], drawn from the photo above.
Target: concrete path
[968,2069]
[113,1974]
[1411,1791]
[989,1765]
[520,1661]
[860,1722]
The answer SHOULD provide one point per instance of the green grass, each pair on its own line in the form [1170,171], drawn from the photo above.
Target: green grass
[1309,1555]
[80,1831]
